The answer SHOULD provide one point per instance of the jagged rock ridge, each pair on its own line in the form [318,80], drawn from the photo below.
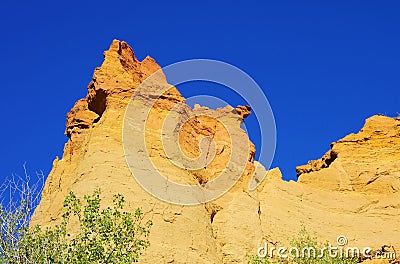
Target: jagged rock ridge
[353,190]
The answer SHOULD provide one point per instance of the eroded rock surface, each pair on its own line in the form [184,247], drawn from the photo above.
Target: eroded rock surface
[353,190]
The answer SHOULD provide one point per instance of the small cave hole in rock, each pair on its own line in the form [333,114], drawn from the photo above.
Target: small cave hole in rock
[331,158]
[213,213]
[98,104]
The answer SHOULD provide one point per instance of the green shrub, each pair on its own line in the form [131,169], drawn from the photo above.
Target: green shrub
[108,235]
[19,197]
[301,241]
[305,240]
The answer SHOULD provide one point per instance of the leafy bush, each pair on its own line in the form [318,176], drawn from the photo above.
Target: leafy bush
[19,197]
[108,235]
[301,241]
[305,240]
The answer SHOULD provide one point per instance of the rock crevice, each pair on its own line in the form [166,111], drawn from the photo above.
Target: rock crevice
[352,190]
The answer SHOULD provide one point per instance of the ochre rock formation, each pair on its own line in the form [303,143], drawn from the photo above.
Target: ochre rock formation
[353,190]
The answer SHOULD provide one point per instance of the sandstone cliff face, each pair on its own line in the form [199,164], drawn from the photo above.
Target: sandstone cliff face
[353,190]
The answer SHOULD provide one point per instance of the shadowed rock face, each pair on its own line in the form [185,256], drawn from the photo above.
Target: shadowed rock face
[353,190]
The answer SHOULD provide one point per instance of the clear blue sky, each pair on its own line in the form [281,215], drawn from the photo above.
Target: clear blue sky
[325,66]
